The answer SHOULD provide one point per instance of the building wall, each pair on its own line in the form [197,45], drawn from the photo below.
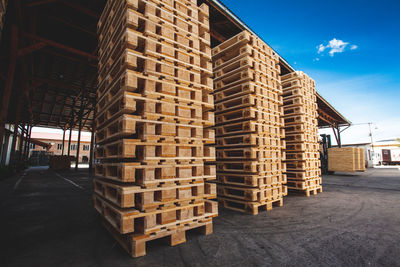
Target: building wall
[373,155]
[394,152]
[56,148]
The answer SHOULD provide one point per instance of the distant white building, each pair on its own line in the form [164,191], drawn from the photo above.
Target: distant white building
[387,152]
[383,152]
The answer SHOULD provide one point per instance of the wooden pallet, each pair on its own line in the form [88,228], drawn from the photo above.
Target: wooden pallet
[268,139]
[248,207]
[153,87]
[303,165]
[137,150]
[245,76]
[248,113]
[241,40]
[251,194]
[263,104]
[246,127]
[147,199]
[308,191]
[133,221]
[304,185]
[250,153]
[298,119]
[303,175]
[301,137]
[245,89]
[250,167]
[302,155]
[135,245]
[130,126]
[270,179]
[296,147]
[155,174]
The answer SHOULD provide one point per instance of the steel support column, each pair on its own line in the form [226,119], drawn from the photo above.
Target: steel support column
[21,144]
[69,140]
[338,137]
[9,82]
[62,152]
[79,144]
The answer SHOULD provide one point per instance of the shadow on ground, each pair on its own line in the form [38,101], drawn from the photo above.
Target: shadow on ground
[48,220]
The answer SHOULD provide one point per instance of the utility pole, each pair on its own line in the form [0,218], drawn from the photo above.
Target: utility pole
[370,135]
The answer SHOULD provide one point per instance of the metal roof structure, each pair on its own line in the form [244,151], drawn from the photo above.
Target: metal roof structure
[48,63]
[55,76]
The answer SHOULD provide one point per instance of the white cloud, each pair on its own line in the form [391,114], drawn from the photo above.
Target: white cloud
[353,47]
[321,48]
[335,46]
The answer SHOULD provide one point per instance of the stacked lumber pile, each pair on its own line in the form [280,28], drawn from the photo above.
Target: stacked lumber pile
[301,130]
[3,9]
[249,125]
[346,159]
[154,113]
[60,162]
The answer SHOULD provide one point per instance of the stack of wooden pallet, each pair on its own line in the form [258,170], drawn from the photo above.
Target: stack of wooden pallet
[346,159]
[301,129]
[249,125]
[3,8]
[154,113]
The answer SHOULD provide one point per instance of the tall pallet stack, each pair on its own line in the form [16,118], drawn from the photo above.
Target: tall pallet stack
[301,129]
[249,125]
[3,8]
[154,113]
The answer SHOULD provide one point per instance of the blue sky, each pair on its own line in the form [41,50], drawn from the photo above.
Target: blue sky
[358,67]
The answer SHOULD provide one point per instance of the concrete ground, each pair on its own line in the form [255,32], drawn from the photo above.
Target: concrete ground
[47,219]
